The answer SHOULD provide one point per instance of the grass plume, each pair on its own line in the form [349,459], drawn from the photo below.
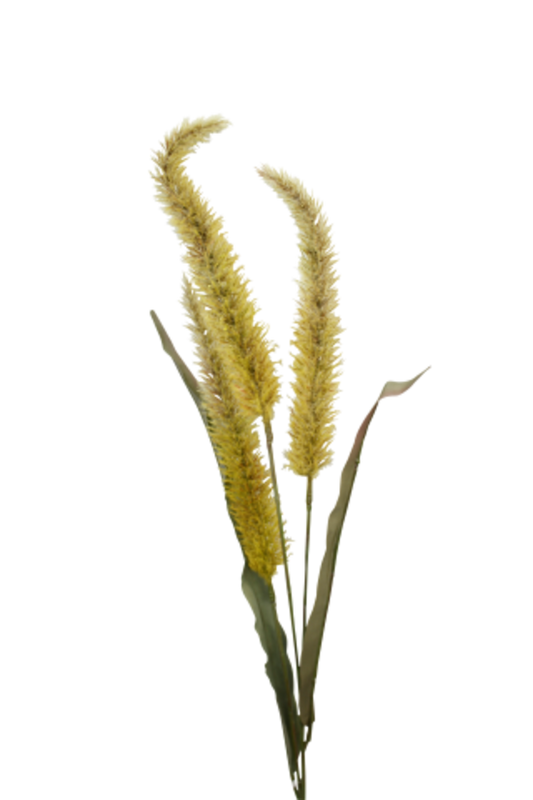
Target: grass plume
[228,310]
[317,362]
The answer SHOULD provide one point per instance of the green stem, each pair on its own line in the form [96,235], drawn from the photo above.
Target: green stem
[306,781]
[286,573]
[303,789]
[306,583]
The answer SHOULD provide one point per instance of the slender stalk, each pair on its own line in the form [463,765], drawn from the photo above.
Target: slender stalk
[306,583]
[269,439]
[306,781]
[303,787]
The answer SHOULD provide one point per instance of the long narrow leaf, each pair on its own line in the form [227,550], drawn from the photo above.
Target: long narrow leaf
[335,521]
[188,378]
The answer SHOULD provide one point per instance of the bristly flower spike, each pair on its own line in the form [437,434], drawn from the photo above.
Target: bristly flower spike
[236,360]
[316,333]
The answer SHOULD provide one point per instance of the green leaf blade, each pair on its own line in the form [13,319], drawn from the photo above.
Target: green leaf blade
[328,564]
[278,667]
[335,521]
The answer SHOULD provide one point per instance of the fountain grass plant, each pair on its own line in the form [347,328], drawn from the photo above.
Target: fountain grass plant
[236,392]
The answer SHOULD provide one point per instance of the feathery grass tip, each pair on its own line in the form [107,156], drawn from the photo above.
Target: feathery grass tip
[237,362]
[317,361]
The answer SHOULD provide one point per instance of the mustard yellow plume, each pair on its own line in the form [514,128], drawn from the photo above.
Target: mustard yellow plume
[225,292]
[317,331]
[235,358]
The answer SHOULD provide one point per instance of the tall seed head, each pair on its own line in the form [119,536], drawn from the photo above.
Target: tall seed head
[237,361]
[317,362]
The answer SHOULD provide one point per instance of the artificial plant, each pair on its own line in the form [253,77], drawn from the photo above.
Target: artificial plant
[235,394]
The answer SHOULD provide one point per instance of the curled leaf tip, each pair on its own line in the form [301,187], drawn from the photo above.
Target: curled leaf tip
[396,388]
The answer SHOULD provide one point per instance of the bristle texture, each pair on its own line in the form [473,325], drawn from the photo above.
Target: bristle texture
[237,362]
[316,358]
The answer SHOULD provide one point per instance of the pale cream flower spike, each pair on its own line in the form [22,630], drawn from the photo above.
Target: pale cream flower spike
[317,361]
